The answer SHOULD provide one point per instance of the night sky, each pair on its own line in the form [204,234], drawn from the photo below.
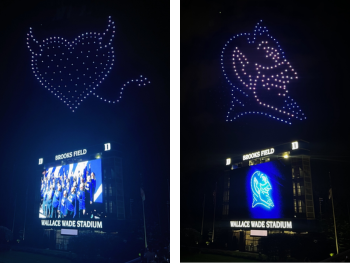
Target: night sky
[35,123]
[314,39]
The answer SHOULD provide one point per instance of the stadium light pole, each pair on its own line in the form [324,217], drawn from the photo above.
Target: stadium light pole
[212,236]
[25,215]
[144,220]
[14,212]
[203,215]
[14,216]
[168,204]
[347,204]
[335,226]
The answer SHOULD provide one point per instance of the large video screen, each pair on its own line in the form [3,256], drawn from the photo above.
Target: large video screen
[262,191]
[71,191]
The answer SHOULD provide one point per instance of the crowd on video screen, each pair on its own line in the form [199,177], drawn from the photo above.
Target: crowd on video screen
[71,191]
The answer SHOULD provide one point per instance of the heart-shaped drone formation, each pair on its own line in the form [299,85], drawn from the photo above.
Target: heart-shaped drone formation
[258,73]
[73,70]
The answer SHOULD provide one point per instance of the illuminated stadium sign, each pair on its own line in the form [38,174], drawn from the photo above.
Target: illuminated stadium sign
[265,224]
[73,70]
[258,74]
[295,145]
[70,154]
[258,154]
[107,146]
[72,223]
[71,192]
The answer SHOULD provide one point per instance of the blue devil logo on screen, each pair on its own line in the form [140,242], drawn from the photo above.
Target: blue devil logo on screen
[260,186]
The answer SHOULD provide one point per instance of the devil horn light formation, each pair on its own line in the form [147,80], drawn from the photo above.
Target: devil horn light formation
[73,70]
[258,74]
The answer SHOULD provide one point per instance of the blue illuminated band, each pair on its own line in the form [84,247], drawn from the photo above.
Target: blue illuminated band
[260,187]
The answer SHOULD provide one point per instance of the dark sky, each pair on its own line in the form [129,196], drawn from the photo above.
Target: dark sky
[36,124]
[314,39]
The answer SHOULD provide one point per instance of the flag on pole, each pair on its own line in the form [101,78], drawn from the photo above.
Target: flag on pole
[142,194]
[330,194]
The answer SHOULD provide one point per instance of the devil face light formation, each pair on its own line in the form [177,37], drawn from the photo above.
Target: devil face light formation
[73,70]
[258,73]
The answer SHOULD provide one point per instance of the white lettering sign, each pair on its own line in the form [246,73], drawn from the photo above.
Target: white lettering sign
[80,152]
[70,154]
[107,146]
[271,224]
[72,223]
[240,224]
[258,224]
[251,156]
[295,145]
[51,222]
[258,154]
[267,152]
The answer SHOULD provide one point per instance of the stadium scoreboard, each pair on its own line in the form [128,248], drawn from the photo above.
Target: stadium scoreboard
[71,189]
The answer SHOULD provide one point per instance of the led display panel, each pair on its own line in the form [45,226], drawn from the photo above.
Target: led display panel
[262,191]
[71,191]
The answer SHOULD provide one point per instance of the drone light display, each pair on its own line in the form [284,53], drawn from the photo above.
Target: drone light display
[258,74]
[73,70]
